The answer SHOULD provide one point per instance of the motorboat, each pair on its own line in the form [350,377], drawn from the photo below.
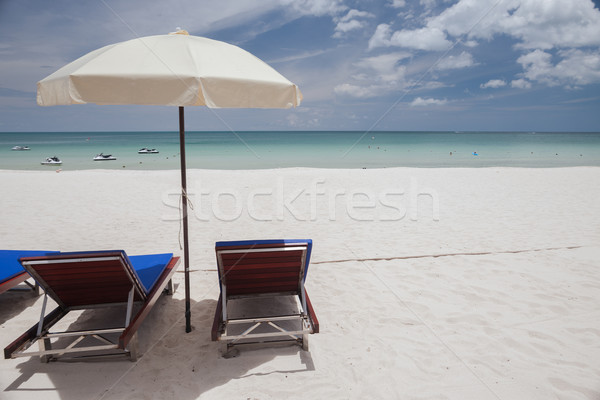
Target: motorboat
[146,150]
[52,161]
[21,148]
[104,157]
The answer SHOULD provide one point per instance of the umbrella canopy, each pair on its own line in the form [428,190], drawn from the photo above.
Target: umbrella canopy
[173,70]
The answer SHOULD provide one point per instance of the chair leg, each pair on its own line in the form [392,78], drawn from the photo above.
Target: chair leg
[44,345]
[169,288]
[133,348]
[223,348]
[305,342]
[228,351]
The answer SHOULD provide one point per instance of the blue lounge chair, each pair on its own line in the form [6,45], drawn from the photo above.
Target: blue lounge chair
[263,269]
[11,271]
[88,280]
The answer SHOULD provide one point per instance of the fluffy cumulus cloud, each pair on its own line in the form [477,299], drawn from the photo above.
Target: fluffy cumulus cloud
[544,24]
[381,37]
[535,24]
[559,39]
[352,20]
[385,66]
[574,67]
[520,84]
[463,60]
[382,74]
[420,39]
[493,83]
[421,102]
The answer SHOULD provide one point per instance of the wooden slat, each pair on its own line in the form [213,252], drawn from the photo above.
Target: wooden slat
[262,267]
[86,281]
[270,271]
[260,246]
[267,275]
[254,273]
[268,258]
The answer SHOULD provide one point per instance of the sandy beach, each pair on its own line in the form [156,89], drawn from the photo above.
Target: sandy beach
[428,283]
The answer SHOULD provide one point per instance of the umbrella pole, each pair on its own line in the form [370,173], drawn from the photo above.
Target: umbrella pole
[186,251]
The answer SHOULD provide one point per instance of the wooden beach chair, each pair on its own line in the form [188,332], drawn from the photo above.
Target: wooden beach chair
[90,280]
[263,269]
[12,273]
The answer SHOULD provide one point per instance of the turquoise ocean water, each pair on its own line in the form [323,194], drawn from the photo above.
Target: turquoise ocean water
[330,149]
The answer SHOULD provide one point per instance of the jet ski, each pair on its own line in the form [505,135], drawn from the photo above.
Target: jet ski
[146,150]
[52,161]
[104,157]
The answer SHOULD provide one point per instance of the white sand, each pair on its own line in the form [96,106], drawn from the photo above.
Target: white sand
[472,284]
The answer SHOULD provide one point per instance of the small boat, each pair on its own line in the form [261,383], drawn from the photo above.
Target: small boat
[146,150]
[52,161]
[21,148]
[104,157]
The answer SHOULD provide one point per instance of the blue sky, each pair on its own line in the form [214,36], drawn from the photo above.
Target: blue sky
[517,65]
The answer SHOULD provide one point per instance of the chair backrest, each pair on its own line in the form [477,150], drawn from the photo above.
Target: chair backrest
[258,267]
[85,278]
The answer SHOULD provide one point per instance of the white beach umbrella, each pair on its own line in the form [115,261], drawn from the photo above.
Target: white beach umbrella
[174,70]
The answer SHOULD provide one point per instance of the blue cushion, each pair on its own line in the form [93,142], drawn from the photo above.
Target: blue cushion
[10,265]
[149,267]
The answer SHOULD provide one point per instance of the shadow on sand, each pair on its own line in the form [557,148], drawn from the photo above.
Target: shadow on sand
[14,301]
[170,358]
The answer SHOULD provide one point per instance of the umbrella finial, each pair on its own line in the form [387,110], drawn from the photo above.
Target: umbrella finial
[179,31]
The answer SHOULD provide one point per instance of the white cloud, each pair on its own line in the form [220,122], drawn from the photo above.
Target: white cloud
[183,13]
[385,66]
[355,14]
[427,3]
[420,39]
[463,60]
[535,23]
[521,84]
[494,83]
[349,22]
[542,24]
[380,75]
[565,28]
[538,66]
[317,8]
[576,67]
[359,91]
[295,57]
[381,37]
[398,3]
[421,102]
[344,27]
